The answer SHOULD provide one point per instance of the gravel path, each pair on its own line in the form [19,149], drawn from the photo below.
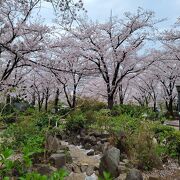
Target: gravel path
[79,155]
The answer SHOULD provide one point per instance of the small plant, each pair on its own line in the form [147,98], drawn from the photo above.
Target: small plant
[59,175]
[106,176]
[6,162]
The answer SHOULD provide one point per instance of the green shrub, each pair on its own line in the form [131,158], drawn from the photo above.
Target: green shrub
[86,104]
[64,111]
[10,118]
[103,119]
[136,112]
[142,149]
[58,175]
[91,117]
[43,120]
[75,121]
[16,135]
[168,139]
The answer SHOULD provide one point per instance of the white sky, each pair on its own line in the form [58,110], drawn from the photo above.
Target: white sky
[100,9]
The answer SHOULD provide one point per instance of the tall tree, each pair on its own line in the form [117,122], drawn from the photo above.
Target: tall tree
[113,47]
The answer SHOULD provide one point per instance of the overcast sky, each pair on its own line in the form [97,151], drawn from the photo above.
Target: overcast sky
[100,9]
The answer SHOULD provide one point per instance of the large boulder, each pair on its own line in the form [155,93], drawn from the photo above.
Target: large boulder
[109,162]
[52,143]
[58,160]
[21,106]
[89,170]
[134,174]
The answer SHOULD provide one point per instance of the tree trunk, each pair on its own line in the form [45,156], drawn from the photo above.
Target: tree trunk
[56,101]
[121,98]
[110,101]
[46,99]
[40,101]
[170,107]
[154,107]
[33,99]
[74,97]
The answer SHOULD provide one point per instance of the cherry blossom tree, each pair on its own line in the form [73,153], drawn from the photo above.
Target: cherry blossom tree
[113,47]
[21,37]
[148,89]
[67,56]
[167,73]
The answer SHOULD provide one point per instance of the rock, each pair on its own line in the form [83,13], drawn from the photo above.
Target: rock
[58,160]
[105,147]
[60,152]
[122,176]
[69,167]
[92,140]
[59,136]
[87,146]
[126,161]
[104,140]
[104,135]
[76,168]
[97,147]
[97,173]
[121,143]
[154,177]
[109,162]
[76,176]
[96,134]
[64,147]
[123,156]
[97,152]
[83,133]
[52,143]
[84,167]
[89,139]
[122,169]
[134,174]
[90,153]
[21,106]
[90,170]
[64,137]
[122,163]
[44,169]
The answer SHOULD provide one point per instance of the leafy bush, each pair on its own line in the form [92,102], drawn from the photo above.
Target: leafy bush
[168,139]
[143,150]
[136,112]
[91,117]
[86,104]
[44,120]
[17,135]
[75,121]
[103,119]
[9,118]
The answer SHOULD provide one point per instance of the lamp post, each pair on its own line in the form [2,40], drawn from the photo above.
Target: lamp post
[178,90]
